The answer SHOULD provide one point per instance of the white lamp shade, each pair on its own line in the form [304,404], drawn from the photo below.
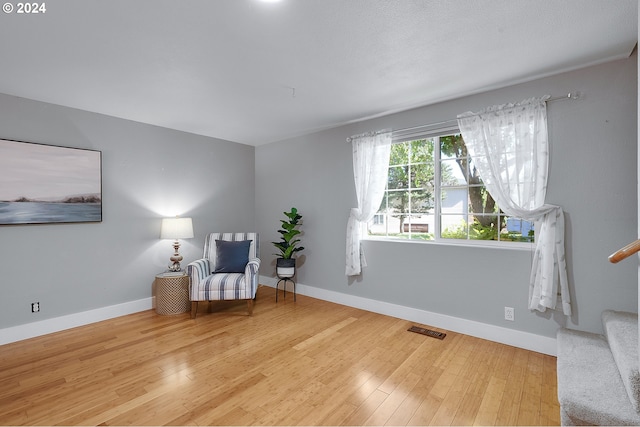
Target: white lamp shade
[176,228]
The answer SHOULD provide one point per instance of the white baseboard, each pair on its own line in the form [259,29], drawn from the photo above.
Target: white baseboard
[525,340]
[486,331]
[56,324]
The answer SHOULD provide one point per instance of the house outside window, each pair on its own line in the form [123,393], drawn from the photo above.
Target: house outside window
[434,193]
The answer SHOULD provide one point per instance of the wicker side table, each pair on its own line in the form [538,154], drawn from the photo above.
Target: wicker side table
[172,294]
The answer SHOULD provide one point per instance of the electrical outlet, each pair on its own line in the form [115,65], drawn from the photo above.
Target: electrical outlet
[509,314]
[35,307]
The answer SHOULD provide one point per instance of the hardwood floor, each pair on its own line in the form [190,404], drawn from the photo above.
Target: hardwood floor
[308,363]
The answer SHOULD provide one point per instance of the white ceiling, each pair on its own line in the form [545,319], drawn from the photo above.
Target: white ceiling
[254,73]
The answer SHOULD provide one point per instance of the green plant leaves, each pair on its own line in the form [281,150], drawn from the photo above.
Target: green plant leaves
[288,245]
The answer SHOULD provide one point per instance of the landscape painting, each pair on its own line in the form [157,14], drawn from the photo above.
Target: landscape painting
[41,184]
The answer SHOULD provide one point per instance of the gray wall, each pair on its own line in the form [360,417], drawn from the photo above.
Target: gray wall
[151,172]
[148,173]
[592,176]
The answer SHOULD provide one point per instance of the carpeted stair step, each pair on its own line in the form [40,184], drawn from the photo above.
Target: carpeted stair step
[590,390]
[621,331]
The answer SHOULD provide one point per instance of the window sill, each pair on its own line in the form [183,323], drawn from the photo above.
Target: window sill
[485,244]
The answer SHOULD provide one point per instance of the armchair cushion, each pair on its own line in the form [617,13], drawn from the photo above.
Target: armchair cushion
[231,257]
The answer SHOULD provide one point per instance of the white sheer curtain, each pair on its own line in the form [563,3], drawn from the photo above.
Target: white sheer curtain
[509,146]
[370,170]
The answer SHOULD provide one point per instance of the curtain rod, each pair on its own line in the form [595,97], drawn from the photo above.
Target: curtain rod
[569,96]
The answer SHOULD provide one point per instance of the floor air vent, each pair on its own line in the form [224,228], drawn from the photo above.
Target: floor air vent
[427,332]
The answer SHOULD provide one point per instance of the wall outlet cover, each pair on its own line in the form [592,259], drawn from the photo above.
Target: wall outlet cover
[509,314]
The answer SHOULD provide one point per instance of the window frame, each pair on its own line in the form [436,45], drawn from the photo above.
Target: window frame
[420,133]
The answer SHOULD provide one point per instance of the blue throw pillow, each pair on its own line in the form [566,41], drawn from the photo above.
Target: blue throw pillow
[232,257]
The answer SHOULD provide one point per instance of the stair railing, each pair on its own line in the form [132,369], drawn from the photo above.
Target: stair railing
[625,252]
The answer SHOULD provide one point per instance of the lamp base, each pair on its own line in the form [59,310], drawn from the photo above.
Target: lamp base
[174,267]
[175,258]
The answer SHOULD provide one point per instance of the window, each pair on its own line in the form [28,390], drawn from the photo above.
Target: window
[434,192]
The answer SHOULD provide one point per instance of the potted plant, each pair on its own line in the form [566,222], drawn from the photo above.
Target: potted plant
[288,246]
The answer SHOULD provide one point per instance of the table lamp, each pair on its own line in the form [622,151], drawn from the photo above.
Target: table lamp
[176,228]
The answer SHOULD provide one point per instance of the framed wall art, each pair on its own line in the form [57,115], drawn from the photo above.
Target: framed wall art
[42,184]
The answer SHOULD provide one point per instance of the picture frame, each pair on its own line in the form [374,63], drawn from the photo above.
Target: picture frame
[45,184]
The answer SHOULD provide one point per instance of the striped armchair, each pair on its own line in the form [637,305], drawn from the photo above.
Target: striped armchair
[208,284]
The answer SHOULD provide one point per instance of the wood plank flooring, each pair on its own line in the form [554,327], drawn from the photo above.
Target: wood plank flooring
[305,363]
